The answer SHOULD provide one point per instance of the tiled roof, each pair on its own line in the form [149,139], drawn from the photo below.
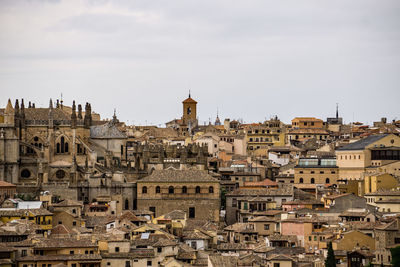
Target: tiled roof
[233,246]
[179,176]
[279,237]
[287,191]
[130,216]
[60,229]
[186,253]
[266,182]
[280,258]
[43,114]
[23,212]
[62,257]
[385,193]
[175,215]
[106,131]
[361,144]
[262,219]
[195,235]
[68,203]
[5,184]
[65,243]
[308,131]
[164,242]
[337,196]
[224,261]
[189,100]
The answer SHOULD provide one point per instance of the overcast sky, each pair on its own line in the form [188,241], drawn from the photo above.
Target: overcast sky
[250,59]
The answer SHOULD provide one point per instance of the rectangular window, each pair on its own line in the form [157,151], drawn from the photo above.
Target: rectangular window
[159,249]
[116,249]
[266,226]
[192,212]
[234,203]
[149,263]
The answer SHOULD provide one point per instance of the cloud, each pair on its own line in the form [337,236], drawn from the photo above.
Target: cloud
[252,59]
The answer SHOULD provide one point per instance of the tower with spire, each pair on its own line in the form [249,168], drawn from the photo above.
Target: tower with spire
[217,120]
[336,119]
[189,111]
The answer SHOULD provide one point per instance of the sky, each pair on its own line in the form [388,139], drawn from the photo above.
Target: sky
[249,60]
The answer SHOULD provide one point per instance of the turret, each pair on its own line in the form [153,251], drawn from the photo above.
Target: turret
[88,116]
[51,114]
[9,113]
[79,111]
[73,116]
[22,113]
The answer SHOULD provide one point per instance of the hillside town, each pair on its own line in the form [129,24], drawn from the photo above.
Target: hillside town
[77,190]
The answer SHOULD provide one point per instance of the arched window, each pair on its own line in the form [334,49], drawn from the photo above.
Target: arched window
[301,180]
[62,146]
[158,190]
[184,190]
[126,204]
[170,190]
[25,173]
[60,174]
[197,189]
[327,180]
[211,190]
[312,180]
[144,190]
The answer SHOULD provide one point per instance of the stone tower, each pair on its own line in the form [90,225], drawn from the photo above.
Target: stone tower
[9,114]
[189,111]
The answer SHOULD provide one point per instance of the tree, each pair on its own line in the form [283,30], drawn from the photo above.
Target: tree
[223,198]
[395,256]
[330,260]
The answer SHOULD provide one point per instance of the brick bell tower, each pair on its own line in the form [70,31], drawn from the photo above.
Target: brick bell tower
[189,111]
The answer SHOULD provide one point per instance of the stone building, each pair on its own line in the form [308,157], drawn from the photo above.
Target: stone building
[316,171]
[148,157]
[44,144]
[375,150]
[262,136]
[188,121]
[193,191]
[235,201]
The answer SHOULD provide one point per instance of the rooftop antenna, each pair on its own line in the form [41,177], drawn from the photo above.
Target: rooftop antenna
[61,100]
[189,93]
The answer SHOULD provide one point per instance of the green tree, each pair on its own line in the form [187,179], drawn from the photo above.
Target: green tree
[330,260]
[395,256]
[223,198]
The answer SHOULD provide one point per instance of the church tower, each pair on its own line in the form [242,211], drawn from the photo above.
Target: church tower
[189,111]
